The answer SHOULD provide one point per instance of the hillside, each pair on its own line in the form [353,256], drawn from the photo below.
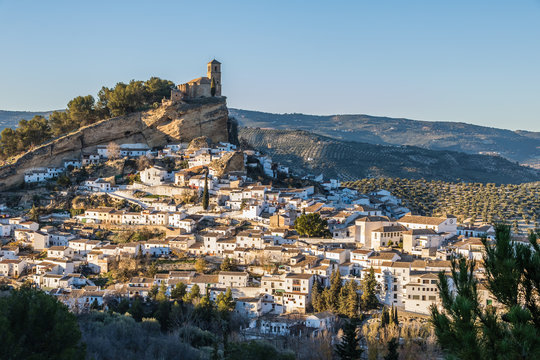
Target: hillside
[12,118]
[480,203]
[521,146]
[172,121]
[308,153]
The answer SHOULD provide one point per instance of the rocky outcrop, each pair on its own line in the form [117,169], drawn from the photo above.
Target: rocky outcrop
[179,121]
[230,162]
[200,142]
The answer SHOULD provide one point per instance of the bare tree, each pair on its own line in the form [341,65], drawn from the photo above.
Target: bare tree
[113,150]
[144,162]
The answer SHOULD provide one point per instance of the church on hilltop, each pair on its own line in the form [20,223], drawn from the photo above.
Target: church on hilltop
[201,87]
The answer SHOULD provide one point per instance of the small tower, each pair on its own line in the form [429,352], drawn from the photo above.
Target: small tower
[214,73]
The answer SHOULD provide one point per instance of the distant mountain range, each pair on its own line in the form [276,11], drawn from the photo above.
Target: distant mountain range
[308,153]
[356,146]
[521,146]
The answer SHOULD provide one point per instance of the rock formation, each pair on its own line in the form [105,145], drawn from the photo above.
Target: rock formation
[173,121]
[230,162]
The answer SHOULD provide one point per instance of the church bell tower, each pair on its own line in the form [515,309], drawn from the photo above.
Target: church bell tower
[214,73]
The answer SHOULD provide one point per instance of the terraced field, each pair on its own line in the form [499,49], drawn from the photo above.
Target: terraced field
[478,203]
[308,153]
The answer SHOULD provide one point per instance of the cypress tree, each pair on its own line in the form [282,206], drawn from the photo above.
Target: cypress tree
[136,309]
[369,289]
[385,318]
[392,350]
[352,300]
[33,214]
[334,291]
[342,299]
[206,195]
[316,297]
[349,346]
[213,88]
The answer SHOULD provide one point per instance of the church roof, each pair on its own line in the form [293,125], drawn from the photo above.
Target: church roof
[215,62]
[200,80]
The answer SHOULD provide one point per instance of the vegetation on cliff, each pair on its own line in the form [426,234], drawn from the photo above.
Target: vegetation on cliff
[84,110]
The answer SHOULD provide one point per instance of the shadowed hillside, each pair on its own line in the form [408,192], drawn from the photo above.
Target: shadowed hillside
[308,153]
[521,146]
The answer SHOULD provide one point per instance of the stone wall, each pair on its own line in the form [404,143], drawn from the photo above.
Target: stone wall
[171,122]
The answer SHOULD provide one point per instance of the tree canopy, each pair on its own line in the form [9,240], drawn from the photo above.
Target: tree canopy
[34,325]
[369,291]
[468,327]
[349,346]
[84,110]
[311,225]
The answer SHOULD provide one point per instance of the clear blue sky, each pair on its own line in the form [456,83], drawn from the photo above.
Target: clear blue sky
[472,61]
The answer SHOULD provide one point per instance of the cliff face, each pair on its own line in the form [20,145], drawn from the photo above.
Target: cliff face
[171,122]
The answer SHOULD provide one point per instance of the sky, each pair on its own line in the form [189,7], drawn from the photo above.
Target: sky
[469,61]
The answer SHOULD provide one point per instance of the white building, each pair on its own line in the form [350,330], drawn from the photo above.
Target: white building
[42,174]
[438,224]
[97,185]
[155,175]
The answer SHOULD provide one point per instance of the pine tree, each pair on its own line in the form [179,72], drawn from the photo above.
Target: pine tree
[153,291]
[95,305]
[200,265]
[206,195]
[369,288]
[466,329]
[162,293]
[162,314]
[33,214]
[395,318]
[178,291]
[194,293]
[349,346]
[228,264]
[225,301]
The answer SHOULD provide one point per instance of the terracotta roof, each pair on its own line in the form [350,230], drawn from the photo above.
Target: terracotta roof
[391,228]
[373,218]
[417,219]
[421,232]
[206,279]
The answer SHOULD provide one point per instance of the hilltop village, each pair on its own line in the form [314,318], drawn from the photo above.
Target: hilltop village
[212,218]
